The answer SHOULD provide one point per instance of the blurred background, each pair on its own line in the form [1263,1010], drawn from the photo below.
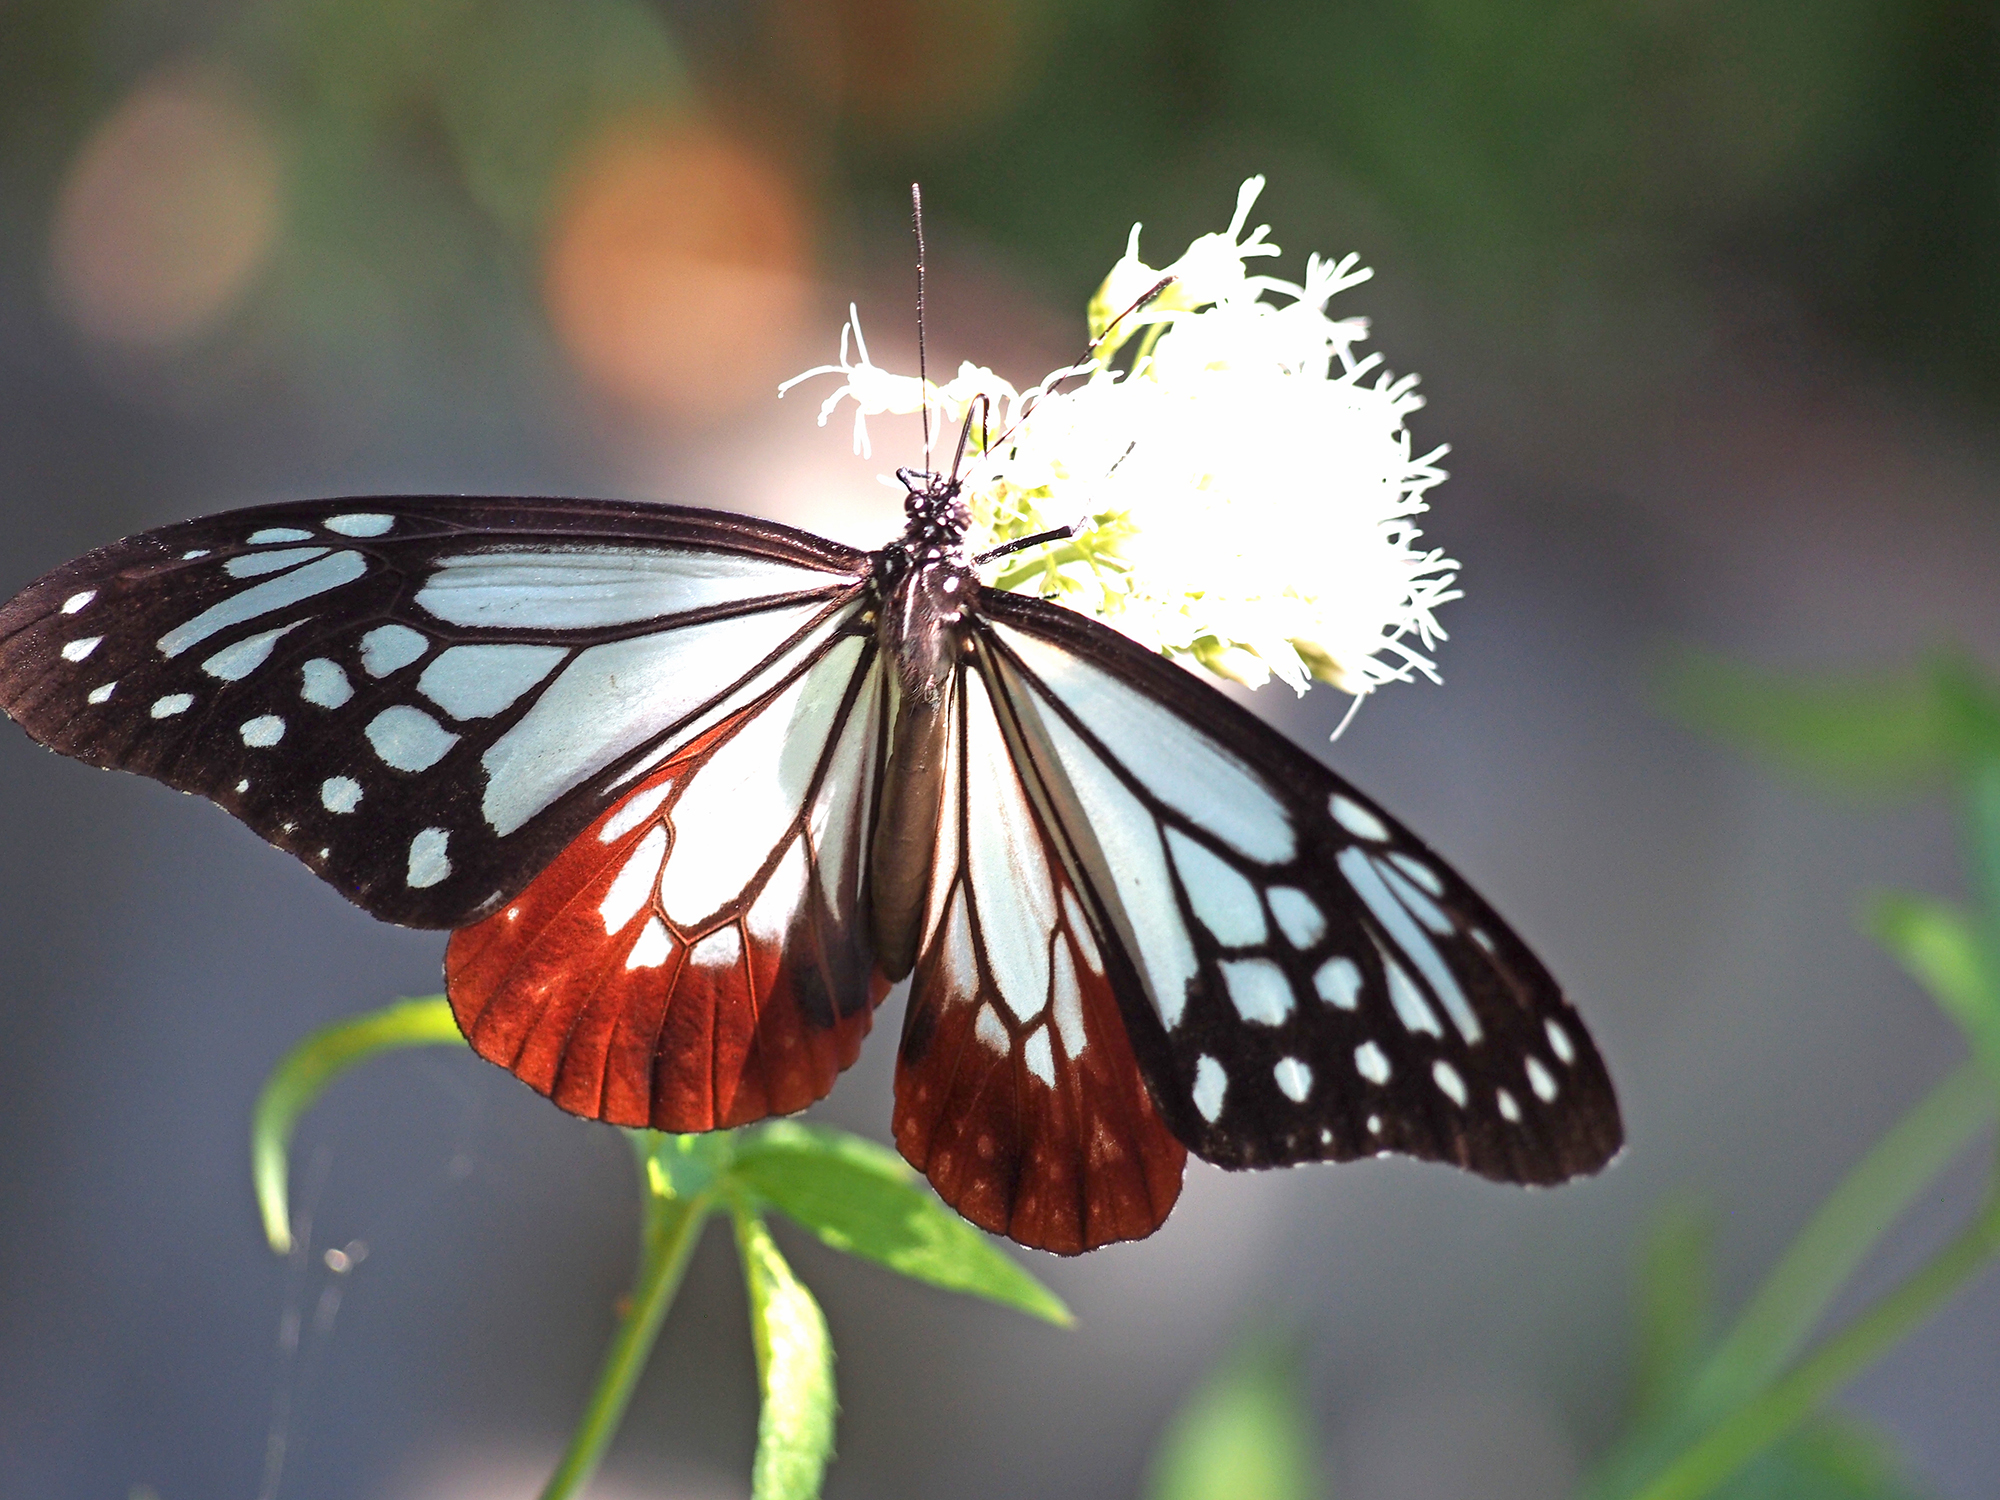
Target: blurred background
[1706,299]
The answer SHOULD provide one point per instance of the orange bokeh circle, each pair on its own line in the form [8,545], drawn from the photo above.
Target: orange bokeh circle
[676,270]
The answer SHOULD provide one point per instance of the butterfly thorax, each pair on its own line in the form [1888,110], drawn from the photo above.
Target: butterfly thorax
[923,581]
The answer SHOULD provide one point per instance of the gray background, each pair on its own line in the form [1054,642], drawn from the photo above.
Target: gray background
[1760,484]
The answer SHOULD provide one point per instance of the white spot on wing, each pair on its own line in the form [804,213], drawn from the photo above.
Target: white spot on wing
[261,599]
[1038,1058]
[1258,989]
[721,949]
[1541,1081]
[388,648]
[1211,1083]
[364,523]
[408,738]
[191,556]
[173,703]
[1445,1076]
[652,948]
[1294,1078]
[102,694]
[1509,1110]
[634,811]
[632,888]
[324,683]
[1414,901]
[1299,916]
[1357,819]
[1338,981]
[1066,1000]
[1223,900]
[1559,1041]
[1408,1000]
[963,967]
[278,534]
[256,564]
[428,861]
[1370,1063]
[1418,871]
[76,602]
[234,663]
[262,732]
[1086,943]
[476,682]
[769,919]
[77,650]
[340,794]
[991,1030]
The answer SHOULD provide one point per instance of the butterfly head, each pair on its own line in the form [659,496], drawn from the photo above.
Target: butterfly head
[936,510]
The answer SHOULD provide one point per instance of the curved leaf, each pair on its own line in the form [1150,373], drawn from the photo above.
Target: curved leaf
[794,1372]
[307,1069]
[863,1199]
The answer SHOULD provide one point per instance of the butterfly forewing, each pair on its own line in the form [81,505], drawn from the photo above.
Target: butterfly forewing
[694,960]
[1311,982]
[424,699]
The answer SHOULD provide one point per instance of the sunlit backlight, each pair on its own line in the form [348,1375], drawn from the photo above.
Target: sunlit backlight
[166,214]
[676,274]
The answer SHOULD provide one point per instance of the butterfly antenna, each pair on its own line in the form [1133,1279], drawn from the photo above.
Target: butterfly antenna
[1145,300]
[923,374]
[1089,349]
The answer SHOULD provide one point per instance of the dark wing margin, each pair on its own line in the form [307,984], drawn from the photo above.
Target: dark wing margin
[1311,982]
[423,698]
[696,958]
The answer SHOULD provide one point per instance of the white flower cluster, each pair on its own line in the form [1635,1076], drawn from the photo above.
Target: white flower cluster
[1242,490]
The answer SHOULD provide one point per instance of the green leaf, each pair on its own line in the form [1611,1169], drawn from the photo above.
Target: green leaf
[1936,944]
[794,1371]
[1968,707]
[861,1198]
[685,1166]
[1676,1306]
[1888,731]
[1836,1458]
[1244,1435]
[307,1069]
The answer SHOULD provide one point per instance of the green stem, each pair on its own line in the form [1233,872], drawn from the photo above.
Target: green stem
[1771,1415]
[1793,1298]
[672,1227]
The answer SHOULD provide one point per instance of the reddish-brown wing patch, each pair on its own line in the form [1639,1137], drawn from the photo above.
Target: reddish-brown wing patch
[1017,1093]
[587,987]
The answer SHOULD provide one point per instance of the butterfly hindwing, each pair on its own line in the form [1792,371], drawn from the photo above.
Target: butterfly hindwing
[1016,1090]
[424,699]
[1312,983]
[694,960]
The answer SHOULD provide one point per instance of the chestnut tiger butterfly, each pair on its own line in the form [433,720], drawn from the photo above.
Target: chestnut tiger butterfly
[694,790]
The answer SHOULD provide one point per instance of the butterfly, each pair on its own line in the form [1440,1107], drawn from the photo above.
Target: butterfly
[694,790]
